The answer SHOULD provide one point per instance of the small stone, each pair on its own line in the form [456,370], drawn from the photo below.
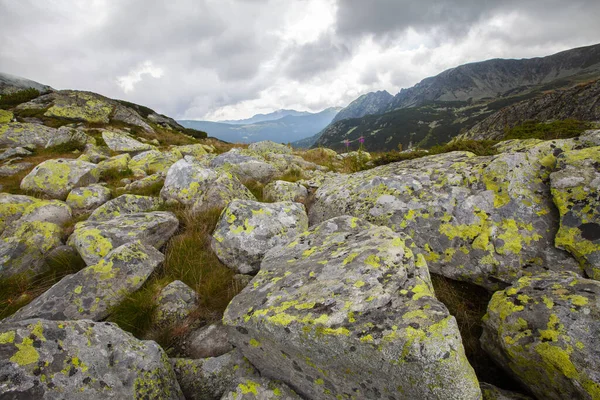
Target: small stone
[208,341]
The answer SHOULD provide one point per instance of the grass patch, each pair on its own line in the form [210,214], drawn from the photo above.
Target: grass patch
[14,99]
[562,129]
[291,175]
[468,304]
[19,290]
[190,259]
[150,190]
[256,188]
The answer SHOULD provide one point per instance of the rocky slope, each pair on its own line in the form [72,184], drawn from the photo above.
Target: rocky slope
[370,103]
[581,102]
[438,108]
[336,297]
[11,84]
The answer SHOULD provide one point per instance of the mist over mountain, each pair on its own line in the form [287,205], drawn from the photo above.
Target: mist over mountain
[266,117]
[293,126]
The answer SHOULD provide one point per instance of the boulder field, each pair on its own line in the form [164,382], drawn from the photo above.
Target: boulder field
[333,270]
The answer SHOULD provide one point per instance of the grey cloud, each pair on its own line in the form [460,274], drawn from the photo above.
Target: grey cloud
[304,61]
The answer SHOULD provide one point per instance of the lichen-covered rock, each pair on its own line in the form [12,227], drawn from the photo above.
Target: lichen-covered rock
[209,378]
[5,116]
[95,239]
[123,205]
[259,171]
[347,310]
[576,193]
[95,154]
[52,211]
[248,229]
[208,341]
[260,389]
[485,220]
[120,141]
[201,188]
[78,106]
[266,146]
[131,117]
[68,135]
[491,392]
[153,161]
[175,303]
[88,198]
[81,360]
[194,150]
[285,191]
[544,329]
[14,152]
[15,168]
[117,163]
[16,134]
[233,157]
[25,249]
[91,292]
[56,178]
[12,207]
[144,184]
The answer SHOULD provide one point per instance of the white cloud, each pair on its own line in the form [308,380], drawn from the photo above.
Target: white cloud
[135,76]
[229,59]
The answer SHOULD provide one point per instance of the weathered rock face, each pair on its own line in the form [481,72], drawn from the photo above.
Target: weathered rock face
[233,157]
[259,171]
[16,134]
[12,207]
[208,341]
[56,178]
[209,378]
[15,152]
[25,249]
[266,146]
[95,239]
[194,150]
[14,168]
[201,188]
[175,303]
[153,161]
[95,154]
[576,191]
[66,134]
[491,392]
[74,105]
[144,183]
[91,292]
[49,359]
[119,141]
[88,198]
[123,205]
[285,191]
[116,163]
[346,310]
[131,117]
[544,330]
[248,229]
[260,389]
[486,220]
[53,211]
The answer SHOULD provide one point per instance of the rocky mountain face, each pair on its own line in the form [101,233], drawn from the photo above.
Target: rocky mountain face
[439,108]
[333,274]
[581,102]
[11,84]
[370,103]
[266,117]
[286,129]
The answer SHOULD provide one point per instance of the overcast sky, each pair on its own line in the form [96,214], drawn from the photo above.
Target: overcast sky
[230,59]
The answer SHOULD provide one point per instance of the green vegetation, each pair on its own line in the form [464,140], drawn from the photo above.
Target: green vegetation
[19,290]
[14,99]
[256,188]
[195,133]
[189,258]
[562,129]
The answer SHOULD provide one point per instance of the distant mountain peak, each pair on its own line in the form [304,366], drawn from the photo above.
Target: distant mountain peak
[266,117]
[369,103]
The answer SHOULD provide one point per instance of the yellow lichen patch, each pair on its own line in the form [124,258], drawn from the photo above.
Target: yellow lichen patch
[7,337]
[27,354]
